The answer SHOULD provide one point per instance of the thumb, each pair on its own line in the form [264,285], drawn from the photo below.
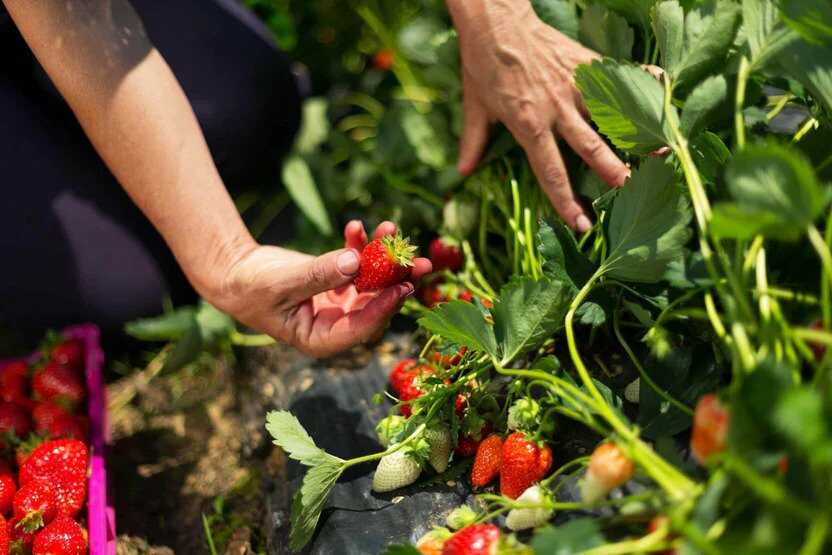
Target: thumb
[323,273]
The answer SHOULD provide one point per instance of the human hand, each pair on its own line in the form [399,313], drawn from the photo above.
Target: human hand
[310,302]
[520,71]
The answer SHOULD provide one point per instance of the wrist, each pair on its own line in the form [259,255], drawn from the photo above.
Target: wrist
[210,270]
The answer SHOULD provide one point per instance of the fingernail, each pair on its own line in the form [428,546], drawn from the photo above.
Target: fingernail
[408,290]
[583,224]
[347,262]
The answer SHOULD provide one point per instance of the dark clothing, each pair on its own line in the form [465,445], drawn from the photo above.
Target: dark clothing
[74,246]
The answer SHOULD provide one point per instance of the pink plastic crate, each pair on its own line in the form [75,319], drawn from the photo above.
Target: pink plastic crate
[101,517]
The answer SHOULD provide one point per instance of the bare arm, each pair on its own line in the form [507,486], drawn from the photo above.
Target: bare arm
[140,122]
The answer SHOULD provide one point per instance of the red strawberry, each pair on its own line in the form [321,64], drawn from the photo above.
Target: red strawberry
[477,539]
[655,523]
[69,427]
[469,443]
[25,448]
[384,262]
[400,374]
[412,388]
[460,402]
[710,428]
[448,360]
[70,494]
[445,255]
[466,296]
[13,422]
[5,537]
[384,59]
[63,537]
[70,353]
[524,463]
[54,456]
[488,461]
[58,384]
[34,504]
[45,414]
[7,489]
[14,382]
[609,467]
[431,295]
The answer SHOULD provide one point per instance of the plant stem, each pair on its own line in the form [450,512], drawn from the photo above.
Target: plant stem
[392,449]
[817,535]
[645,377]
[810,124]
[246,340]
[739,102]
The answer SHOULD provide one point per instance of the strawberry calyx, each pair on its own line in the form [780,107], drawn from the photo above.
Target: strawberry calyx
[399,249]
[32,522]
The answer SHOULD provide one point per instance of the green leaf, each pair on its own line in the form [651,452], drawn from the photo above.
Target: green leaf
[764,30]
[774,185]
[400,550]
[429,147]
[563,260]
[214,325]
[648,225]
[626,103]
[811,18]
[290,435]
[301,186]
[668,26]
[811,65]
[606,33]
[560,14]
[314,127]
[636,11]
[591,314]
[167,327]
[462,323]
[573,537]
[730,220]
[710,155]
[707,43]
[527,313]
[702,103]
[309,501]
[416,40]
[801,418]
[186,350]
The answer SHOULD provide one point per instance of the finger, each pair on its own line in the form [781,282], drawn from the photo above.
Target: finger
[384,228]
[354,235]
[360,325]
[474,134]
[323,273]
[591,147]
[550,170]
[421,267]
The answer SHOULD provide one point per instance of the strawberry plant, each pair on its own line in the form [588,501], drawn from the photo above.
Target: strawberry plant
[707,278]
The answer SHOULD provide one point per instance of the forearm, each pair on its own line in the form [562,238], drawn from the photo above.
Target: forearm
[140,122]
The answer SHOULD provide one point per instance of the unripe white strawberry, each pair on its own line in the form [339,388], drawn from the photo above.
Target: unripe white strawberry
[523,519]
[633,391]
[609,468]
[390,428]
[395,471]
[441,443]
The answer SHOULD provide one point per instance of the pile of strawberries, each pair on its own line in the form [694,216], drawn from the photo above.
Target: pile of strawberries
[43,453]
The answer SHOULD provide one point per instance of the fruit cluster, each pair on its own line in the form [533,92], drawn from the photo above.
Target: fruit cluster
[43,453]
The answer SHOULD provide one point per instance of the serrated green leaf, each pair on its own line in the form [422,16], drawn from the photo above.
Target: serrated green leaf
[811,65]
[304,192]
[562,259]
[528,312]
[706,47]
[811,18]
[429,148]
[606,33]
[730,220]
[591,314]
[167,327]
[668,26]
[560,14]
[648,225]
[702,103]
[710,155]
[573,537]
[309,501]
[764,30]
[776,193]
[462,323]
[626,103]
[636,11]
[289,434]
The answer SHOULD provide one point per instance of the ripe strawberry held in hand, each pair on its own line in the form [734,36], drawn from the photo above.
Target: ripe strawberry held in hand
[63,536]
[477,539]
[384,262]
[524,463]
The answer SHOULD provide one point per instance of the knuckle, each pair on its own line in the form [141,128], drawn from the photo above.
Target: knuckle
[317,275]
[530,124]
[593,147]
